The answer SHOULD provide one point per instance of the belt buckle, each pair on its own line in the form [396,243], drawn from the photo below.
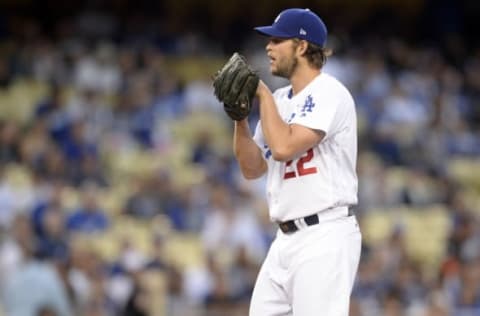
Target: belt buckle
[288,227]
[284,227]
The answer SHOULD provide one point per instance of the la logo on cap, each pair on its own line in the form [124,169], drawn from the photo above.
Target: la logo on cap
[277,18]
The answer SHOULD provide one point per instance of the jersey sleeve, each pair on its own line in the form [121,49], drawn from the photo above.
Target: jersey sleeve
[318,111]
[258,135]
[260,141]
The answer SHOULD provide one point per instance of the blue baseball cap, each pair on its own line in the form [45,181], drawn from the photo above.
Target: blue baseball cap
[297,23]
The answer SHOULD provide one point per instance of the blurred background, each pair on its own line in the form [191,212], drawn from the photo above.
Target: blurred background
[119,193]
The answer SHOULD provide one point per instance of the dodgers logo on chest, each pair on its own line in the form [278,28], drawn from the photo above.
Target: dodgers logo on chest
[301,110]
[307,107]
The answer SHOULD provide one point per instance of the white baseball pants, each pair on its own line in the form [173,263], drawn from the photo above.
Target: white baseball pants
[309,272]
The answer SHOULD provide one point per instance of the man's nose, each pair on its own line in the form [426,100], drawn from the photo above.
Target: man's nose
[268,47]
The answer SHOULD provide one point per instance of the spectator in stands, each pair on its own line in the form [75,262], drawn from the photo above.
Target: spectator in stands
[144,202]
[34,284]
[228,226]
[53,242]
[53,112]
[89,217]
[9,142]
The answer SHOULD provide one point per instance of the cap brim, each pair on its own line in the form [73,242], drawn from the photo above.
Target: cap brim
[271,31]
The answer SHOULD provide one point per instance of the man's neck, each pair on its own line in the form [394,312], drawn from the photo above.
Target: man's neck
[301,78]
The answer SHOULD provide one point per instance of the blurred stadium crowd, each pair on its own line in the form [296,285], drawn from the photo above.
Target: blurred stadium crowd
[119,193]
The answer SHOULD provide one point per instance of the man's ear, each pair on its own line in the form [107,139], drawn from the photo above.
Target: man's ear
[302,47]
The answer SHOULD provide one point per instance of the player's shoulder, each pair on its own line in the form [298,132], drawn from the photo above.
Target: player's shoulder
[328,81]
[331,85]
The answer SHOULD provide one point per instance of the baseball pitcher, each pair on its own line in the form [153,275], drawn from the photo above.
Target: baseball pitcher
[306,143]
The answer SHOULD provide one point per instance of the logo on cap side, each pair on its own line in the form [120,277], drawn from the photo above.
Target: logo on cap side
[303,32]
[277,18]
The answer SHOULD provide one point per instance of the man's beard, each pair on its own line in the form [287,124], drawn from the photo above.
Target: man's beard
[286,70]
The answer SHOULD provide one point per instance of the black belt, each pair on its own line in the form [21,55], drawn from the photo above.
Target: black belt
[289,227]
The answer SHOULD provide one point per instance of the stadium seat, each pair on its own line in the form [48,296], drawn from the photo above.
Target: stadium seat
[466,172]
[376,226]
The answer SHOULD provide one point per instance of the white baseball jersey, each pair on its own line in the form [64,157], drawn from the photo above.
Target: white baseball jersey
[324,176]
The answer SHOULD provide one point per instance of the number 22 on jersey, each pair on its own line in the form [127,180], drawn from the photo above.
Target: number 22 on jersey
[301,169]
